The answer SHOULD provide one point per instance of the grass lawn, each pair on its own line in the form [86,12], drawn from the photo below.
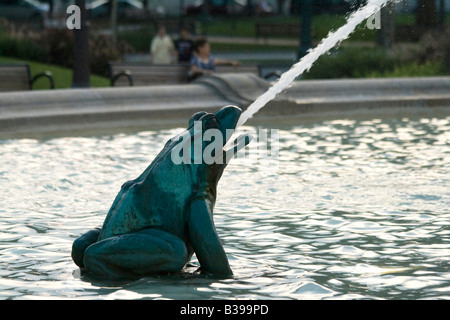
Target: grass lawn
[61,76]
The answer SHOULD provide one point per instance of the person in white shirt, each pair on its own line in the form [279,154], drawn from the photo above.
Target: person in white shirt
[162,49]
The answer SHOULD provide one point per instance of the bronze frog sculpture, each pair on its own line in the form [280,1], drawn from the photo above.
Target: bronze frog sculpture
[159,220]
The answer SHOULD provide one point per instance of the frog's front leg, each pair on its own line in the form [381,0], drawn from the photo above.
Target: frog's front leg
[134,255]
[205,241]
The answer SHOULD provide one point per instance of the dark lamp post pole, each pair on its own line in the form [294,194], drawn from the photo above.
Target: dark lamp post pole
[81,70]
[305,7]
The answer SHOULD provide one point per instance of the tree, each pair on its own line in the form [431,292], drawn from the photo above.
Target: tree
[306,11]
[426,15]
[81,72]
[207,7]
[280,4]
[113,18]
[385,35]
[442,12]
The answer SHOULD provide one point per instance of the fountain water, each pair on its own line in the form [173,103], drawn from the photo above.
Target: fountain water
[307,61]
[358,210]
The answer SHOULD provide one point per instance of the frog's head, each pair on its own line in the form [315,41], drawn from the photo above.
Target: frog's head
[216,129]
[207,135]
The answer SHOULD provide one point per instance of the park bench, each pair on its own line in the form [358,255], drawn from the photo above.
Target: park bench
[139,74]
[240,69]
[265,29]
[14,77]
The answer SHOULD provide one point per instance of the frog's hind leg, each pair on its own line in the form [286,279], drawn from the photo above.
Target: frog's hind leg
[133,255]
[80,245]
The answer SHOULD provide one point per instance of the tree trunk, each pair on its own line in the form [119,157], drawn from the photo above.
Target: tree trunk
[206,7]
[81,72]
[113,18]
[386,34]
[426,13]
[442,12]
[306,13]
[280,4]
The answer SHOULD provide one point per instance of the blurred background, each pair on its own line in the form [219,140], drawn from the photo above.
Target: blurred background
[414,39]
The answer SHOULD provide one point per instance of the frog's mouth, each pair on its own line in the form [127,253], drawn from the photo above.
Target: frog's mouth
[228,118]
[224,120]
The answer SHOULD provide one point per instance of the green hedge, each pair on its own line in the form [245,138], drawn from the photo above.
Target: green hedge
[350,63]
[414,69]
[22,48]
[55,46]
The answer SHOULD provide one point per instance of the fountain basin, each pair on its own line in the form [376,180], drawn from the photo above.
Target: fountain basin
[61,111]
[353,208]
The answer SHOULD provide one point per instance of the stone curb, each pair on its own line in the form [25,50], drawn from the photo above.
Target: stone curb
[44,112]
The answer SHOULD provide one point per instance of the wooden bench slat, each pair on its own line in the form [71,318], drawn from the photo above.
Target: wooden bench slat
[241,69]
[17,77]
[14,78]
[148,74]
[15,87]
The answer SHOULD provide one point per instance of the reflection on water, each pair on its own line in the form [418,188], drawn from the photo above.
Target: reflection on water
[356,209]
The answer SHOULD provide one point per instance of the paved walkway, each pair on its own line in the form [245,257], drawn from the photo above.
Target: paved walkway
[241,56]
[252,40]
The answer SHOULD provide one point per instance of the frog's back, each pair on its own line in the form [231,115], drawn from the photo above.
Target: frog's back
[159,200]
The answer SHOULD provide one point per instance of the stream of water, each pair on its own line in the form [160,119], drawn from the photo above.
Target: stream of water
[307,61]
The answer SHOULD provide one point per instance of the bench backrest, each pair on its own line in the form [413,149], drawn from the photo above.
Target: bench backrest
[241,69]
[153,74]
[14,77]
[150,74]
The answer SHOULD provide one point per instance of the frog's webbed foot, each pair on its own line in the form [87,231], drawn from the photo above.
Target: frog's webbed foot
[80,245]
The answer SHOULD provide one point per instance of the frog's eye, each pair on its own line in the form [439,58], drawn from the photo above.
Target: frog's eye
[196,117]
[210,122]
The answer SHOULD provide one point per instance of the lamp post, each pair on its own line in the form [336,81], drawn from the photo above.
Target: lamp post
[81,70]
[181,16]
[113,23]
[442,13]
[305,7]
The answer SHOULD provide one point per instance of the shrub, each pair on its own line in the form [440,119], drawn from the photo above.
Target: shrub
[436,47]
[20,42]
[350,63]
[139,39]
[101,52]
[55,46]
[59,47]
[414,69]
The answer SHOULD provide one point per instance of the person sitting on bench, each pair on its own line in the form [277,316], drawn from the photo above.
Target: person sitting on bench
[202,62]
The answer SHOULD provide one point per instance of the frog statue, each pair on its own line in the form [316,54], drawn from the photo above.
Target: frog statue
[159,220]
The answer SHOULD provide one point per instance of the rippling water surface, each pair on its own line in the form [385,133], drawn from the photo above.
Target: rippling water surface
[354,209]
